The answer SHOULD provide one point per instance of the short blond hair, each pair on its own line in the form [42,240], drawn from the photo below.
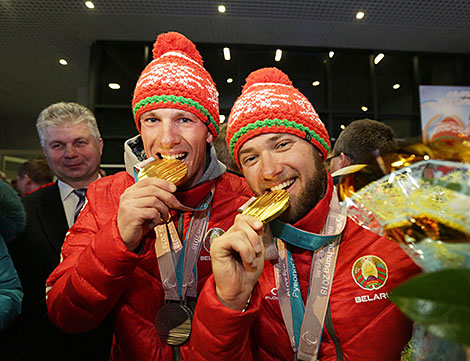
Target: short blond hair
[62,113]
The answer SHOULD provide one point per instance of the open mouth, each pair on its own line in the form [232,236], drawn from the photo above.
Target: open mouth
[181,156]
[284,185]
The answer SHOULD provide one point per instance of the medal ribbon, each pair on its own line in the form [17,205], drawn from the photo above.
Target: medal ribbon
[305,323]
[186,270]
[180,280]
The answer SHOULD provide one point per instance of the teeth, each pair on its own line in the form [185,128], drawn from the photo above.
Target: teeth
[172,156]
[283,185]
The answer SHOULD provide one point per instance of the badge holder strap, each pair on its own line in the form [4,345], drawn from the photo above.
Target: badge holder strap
[296,301]
[175,271]
[189,288]
[321,279]
[305,337]
[186,267]
[174,319]
[165,262]
[305,324]
[281,274]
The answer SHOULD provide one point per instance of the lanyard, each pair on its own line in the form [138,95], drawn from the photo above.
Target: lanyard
[178,274]
[305,323]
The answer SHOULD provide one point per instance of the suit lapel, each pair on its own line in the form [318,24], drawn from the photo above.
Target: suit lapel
[51,214]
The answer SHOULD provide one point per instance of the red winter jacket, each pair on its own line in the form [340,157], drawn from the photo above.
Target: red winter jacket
[366,324]
[98,275]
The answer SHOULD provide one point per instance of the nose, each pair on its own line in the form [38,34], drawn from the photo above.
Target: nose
[270,166]
[169,136]
[70,151]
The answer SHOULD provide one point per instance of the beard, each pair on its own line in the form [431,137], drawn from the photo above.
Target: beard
[308,198]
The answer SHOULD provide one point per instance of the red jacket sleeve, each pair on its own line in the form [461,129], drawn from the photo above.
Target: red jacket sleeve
[220,333]
[94,266]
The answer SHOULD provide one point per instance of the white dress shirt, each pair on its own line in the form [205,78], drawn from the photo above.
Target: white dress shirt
[69,200]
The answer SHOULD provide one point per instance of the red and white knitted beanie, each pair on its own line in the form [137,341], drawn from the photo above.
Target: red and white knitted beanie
[270,104]
[177,79]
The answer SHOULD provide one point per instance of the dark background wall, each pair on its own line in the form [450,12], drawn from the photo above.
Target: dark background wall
[348,82]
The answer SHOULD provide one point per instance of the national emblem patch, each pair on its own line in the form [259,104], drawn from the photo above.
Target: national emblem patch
[210,235]
[370,272]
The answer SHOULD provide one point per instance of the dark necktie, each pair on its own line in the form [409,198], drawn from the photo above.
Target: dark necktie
[81,201]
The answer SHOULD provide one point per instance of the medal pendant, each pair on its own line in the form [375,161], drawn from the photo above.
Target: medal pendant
[173,323]
[173,170]
[268,206]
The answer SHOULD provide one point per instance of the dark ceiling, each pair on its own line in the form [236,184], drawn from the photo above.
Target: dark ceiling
[34,35]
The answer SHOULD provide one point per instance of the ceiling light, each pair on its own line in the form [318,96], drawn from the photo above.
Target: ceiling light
[114,86]
[342,126]
[378,58]
[221,8]
[331,54]
[364,108]
[229,80]
[227,54]
[360,15]
[63,62]
[396,86]
[316,83]
[278,55]
[89,5]
[222,118]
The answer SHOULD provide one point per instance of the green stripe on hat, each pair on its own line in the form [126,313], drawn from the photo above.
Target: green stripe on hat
[267,123]
[176,99]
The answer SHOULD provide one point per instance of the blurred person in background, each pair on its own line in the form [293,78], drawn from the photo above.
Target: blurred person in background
[33,174]
[223,153]
[360,142]
[12,221]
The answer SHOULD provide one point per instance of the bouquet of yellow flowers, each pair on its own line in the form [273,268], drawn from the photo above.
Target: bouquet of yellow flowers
[425,207]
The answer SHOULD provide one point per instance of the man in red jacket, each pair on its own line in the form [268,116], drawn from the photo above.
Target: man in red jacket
[323,293]
[140,249]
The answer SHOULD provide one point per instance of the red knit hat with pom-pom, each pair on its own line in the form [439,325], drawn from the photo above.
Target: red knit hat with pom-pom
[270,104]
[177,79]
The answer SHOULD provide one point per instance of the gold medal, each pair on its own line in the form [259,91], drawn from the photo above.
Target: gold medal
[173,170]
[267,206]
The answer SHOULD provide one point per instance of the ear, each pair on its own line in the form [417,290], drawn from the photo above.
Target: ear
[344,159]
[100,145]
[28,180]
[210,137]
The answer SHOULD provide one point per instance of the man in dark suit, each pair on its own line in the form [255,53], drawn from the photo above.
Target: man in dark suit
[71,142]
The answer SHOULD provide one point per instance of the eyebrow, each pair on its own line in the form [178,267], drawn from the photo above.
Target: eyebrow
[62,142]
[178,113]
[272,139]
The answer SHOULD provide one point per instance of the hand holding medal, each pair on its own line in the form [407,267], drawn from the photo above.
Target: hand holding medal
[237,255]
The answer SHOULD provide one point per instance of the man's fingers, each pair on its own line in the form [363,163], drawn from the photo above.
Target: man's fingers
[156,182]
[253,228]
[236,242]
